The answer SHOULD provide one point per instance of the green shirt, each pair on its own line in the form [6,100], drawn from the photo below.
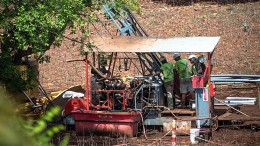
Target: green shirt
[193,70]
[182,69]
[167,70]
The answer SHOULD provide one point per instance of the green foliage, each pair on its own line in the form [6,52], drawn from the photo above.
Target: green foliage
[38,24]
[118,5]
[16,131]
[41,132]
[33,26]
[15,79]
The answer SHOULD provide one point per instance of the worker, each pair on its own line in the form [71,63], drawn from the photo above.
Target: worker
[182,68]
[167,69]
[197,68]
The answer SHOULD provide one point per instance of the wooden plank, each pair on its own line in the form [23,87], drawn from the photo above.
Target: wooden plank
[179,112]
[221,107]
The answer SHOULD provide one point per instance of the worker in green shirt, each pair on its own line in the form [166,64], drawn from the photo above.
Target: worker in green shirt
[182,68]
[167,69]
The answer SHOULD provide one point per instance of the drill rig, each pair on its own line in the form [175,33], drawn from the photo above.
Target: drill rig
[112,104]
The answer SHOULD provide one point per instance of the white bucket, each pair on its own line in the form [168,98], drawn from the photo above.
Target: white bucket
[194,132]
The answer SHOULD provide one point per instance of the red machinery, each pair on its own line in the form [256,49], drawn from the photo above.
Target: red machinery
[112,106]
[102,122]
[103,110]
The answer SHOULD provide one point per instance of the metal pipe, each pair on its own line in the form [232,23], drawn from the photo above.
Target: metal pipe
[29,98]
[231,107]
[136,96]
[249,102]
[94,58]
[110,62]
[235,75]
[44,93]
[113,68]
[241,98]
[209,67]
[209,71]
[135,65]
[87,87]
[146,34]
[235,80]
[225,83]
[258,97]
[95,69]
[98,59]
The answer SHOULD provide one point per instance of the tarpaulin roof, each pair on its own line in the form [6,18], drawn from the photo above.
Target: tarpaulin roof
[152,44]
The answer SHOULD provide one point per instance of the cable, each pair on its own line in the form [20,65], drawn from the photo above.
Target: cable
[160,138]
[231,107]
[178,118]
[143,125]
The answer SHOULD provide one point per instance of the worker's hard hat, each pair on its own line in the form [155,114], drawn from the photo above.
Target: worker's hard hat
[162,59]
[192,56]
[175,55]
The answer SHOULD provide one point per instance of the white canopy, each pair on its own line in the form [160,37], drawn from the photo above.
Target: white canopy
[149,44]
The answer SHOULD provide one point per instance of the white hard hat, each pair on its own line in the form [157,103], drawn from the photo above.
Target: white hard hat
[192,56]
[175,55]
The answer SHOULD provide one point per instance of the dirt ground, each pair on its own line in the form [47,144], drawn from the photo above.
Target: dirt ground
[238,52]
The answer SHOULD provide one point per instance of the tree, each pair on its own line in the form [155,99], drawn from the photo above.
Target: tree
[33,26]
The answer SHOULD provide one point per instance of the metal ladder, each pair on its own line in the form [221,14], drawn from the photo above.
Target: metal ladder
[128,25]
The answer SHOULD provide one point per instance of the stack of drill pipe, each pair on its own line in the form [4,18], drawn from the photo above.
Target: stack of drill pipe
[234,79]
[241,100]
